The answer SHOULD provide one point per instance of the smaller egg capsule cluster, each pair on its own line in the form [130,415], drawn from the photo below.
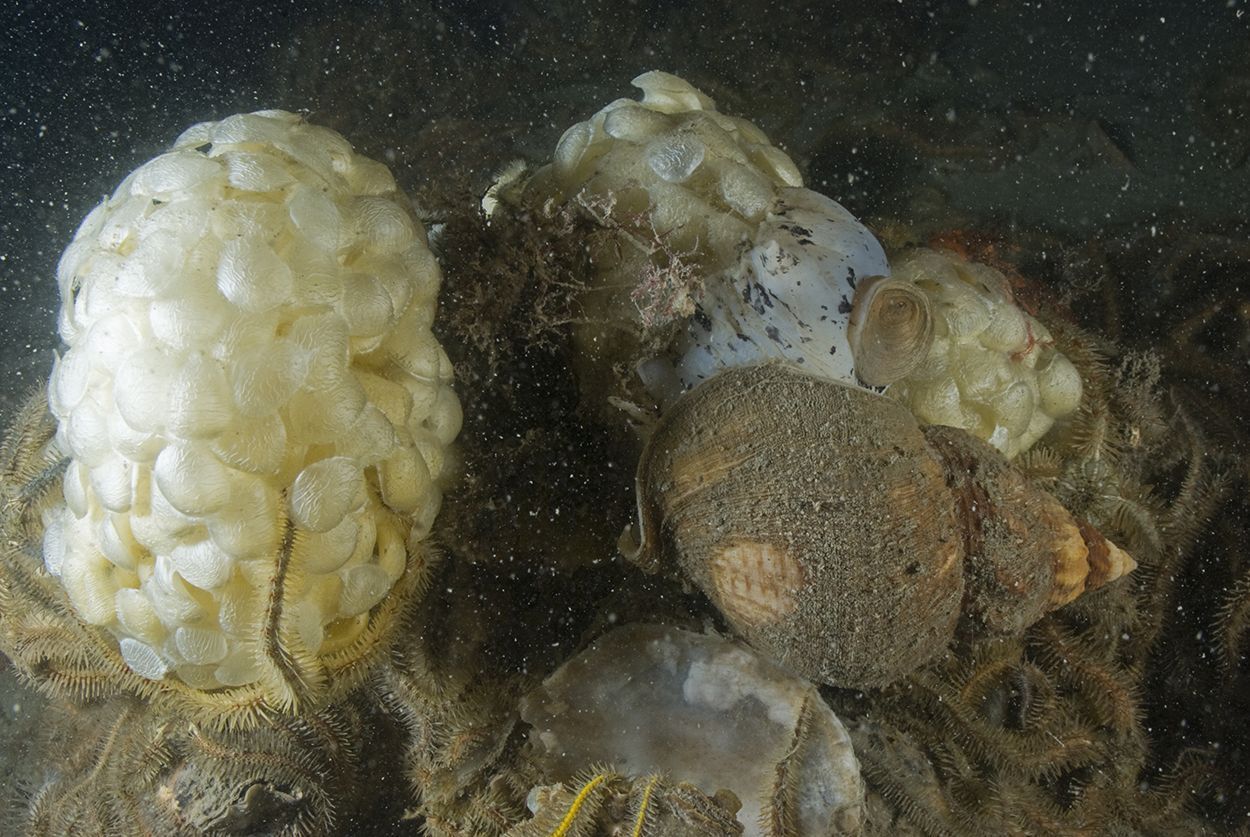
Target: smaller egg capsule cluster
[679,185]
[992,369]
[671,165]
[251,396]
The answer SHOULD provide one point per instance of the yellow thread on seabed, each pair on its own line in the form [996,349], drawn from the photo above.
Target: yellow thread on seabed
[567,822]
[641,819]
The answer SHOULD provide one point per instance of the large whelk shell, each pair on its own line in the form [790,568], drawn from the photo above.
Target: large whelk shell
[832,531]
[891,329]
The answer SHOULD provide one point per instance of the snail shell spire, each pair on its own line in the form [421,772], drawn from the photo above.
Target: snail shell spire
[834,532]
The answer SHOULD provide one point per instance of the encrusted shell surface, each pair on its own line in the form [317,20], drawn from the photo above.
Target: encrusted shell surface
[837,535]
[702,709]
[257,412]
[807,510]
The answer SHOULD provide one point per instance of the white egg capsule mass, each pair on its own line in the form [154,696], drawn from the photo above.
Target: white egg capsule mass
[715,231]
[250,396]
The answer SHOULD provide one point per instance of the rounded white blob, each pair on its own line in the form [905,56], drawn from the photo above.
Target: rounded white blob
[200,646]
[55,540]
[247,327]
[325,552]
[143,659]
[202,563]
[363,587]
[324,492]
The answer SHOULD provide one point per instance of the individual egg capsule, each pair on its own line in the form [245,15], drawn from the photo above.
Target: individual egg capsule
[200,646]
[404,480]
[111,482]
[382,226]
[1059,385]
[240,667]
[116,542]
[200,405]
[89,580]
[365,306]
[143,659]
[191,479]
[324,492]
[364,585]
[257,445]
[326,552]
[173,172]
[142,386]
[264,377]
[248,526]
[138,617]
[251,275]
[1008,329]
[202,563]
[257,172]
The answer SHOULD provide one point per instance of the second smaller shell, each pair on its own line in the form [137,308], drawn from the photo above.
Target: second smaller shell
[891,329]
[705,710]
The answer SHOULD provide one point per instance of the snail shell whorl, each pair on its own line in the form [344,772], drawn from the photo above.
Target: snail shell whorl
[807,509]
[891,329]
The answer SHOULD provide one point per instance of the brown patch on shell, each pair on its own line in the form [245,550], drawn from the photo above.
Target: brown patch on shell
[1071,565]
[1107,562]
[756,583]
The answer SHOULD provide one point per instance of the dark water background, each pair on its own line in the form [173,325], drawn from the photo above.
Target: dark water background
[92,89]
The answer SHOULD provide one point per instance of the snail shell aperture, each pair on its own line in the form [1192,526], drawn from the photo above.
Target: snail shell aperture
[891,329]
[834,533]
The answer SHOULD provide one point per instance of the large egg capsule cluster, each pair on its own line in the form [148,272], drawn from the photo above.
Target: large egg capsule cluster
[257,412]
[671,166]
